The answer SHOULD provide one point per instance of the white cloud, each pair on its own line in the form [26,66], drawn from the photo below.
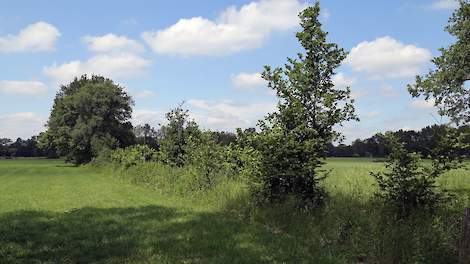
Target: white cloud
[444,4]
[225,115]
[39,36]
[248,80]
[372,114]
[233,31]
[123,65]
[423,104]
[341,81]
[388,91]
[145,116]
[386,57]
[112,43]
[325,15]
[24,125]
[23,87]
[145,94]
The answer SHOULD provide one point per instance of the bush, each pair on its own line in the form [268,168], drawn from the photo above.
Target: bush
[133,155]
[409,182]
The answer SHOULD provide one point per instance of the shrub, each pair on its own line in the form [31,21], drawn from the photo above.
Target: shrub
[208,158]
[133,155]
[176,136]
[409,182]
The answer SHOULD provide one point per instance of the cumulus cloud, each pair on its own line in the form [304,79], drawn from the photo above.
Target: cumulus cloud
[423,104]
[145,116]
[145,94]
[112,43]
[341,81]
[24,125]
[388,91]
[234,30]
[225,115]
[372,114]
[122,65]
[325,15]
[444,4]
[248,80]
[386,57]
[39,36]
[23,87]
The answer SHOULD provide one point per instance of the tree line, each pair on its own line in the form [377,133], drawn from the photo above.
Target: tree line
[376,146]
[22,148]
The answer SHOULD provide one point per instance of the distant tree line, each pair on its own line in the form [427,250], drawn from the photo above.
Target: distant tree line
[22,148]
[422,142]
[376,146]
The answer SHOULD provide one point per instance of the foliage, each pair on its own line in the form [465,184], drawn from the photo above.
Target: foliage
[147,135]
[176,136]
[150,221]
[204,154]
[293,141]
[447,82]
[410,183]
[133,155]
[89,115]
[21,148]
[422,141]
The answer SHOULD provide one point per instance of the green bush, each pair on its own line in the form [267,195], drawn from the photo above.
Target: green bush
[409,183]
[133,155]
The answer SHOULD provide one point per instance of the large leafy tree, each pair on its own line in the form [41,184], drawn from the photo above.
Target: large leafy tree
[294,140]
[89,115]
[446,83]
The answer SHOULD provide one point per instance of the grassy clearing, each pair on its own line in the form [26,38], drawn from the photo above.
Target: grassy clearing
[51,212]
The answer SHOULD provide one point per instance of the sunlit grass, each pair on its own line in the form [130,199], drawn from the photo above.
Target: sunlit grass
[51,212]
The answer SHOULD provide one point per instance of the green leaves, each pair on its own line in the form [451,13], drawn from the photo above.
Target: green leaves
[446,83]
[293,141]
[89,115]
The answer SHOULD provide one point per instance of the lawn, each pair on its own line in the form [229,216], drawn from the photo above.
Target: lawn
[54,213]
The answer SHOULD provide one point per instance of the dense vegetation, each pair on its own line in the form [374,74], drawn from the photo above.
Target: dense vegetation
[267,186]
[55,213]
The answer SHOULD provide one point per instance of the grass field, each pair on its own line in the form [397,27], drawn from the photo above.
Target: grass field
[54,213]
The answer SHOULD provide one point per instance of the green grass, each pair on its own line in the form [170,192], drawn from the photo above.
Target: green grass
[54,213]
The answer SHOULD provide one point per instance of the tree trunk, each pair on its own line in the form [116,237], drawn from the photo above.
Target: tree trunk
[464,243]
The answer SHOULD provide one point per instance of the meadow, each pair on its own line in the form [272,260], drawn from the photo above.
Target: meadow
[52,212]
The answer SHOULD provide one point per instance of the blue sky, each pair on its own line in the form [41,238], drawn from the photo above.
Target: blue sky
[210,53]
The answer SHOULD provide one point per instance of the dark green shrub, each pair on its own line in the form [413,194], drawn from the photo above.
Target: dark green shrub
[409,183]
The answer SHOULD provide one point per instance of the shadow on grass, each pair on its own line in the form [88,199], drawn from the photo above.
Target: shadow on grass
[346,231]
[149,234]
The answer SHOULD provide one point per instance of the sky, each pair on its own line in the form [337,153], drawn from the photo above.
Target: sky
[210,54]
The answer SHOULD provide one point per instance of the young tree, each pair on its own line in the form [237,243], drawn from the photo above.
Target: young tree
[294,140]
[176,135]
[409,184]
[446,83]
[89,115]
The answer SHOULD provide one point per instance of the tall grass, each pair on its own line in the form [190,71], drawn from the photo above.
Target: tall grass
[353,226]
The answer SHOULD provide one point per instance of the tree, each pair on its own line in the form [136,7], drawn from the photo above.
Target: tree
[4,145]
[176,135]
[294,140]
[409,184]
[446,83]
[89,115]
[147,135]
